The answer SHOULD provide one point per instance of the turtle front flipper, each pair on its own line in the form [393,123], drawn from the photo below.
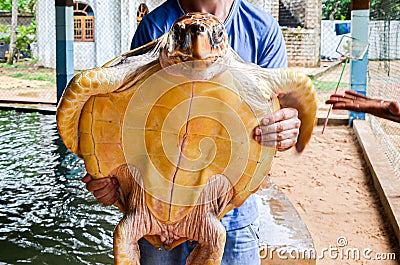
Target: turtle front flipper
[79,90]
[297,91]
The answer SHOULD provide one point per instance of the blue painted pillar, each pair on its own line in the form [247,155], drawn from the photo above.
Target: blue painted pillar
[64,44]
[358,69]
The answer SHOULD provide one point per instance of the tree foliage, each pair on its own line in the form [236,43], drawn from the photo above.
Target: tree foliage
[336,10]
[25,35]
[385,9]
[379,9]
[24,6]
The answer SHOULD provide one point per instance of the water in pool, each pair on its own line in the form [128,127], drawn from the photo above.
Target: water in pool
[46,214]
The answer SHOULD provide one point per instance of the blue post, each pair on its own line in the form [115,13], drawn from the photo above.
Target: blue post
[64,44]
[358,69]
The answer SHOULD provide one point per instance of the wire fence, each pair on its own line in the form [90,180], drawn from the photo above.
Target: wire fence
[384,74]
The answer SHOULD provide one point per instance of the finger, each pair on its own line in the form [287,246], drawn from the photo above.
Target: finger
[394,107]
[278,127]
[353,94]
[286,144]
[108,199]
[347,106]
[346,97]
[280,145]
[336,98]
[279,115]
[275,138]
[341,98]
[111,197]
[280,95]
[114,180]
[87,178]
[111,200]
[340,102]
[335,101]
[107,191]
[355,97]
[97,184]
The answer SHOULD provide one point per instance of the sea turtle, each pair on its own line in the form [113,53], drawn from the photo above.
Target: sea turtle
[173,121]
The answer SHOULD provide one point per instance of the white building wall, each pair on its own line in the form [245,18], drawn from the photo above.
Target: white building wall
[128,23]
[84,55]
[46,33]
[107,29]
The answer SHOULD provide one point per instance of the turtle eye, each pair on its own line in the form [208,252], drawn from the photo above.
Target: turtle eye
[218,34]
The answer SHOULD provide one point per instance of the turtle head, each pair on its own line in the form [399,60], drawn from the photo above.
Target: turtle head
[198,38]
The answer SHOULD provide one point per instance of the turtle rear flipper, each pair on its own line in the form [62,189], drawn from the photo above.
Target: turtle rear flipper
[126,247]
[206,253]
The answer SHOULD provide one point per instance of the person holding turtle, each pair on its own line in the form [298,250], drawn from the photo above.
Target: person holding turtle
[256,37]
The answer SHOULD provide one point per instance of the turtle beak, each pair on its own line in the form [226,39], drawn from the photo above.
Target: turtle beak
[200,42]
[199,52]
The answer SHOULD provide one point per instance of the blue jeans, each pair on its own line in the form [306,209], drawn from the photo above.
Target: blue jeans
[241,248]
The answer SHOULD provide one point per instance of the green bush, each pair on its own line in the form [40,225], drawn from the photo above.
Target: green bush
[25,35]
[24,6]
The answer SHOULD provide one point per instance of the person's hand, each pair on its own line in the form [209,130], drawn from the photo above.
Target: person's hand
[280,129]
[354,101]
[105,189]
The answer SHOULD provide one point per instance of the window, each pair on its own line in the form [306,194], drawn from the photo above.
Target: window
[83,22]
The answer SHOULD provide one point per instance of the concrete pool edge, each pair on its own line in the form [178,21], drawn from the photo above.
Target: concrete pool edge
[44,109]
[385,182]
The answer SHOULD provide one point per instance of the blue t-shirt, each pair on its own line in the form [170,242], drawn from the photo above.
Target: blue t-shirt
[253,34]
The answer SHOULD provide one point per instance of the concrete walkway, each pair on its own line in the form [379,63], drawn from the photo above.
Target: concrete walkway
[385,181]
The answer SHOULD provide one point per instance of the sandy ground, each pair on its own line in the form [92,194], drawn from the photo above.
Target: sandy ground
[330,186]
[26,90]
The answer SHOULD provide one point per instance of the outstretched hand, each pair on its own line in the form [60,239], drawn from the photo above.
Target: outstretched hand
[280,129]
[105,189]
[354,101]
